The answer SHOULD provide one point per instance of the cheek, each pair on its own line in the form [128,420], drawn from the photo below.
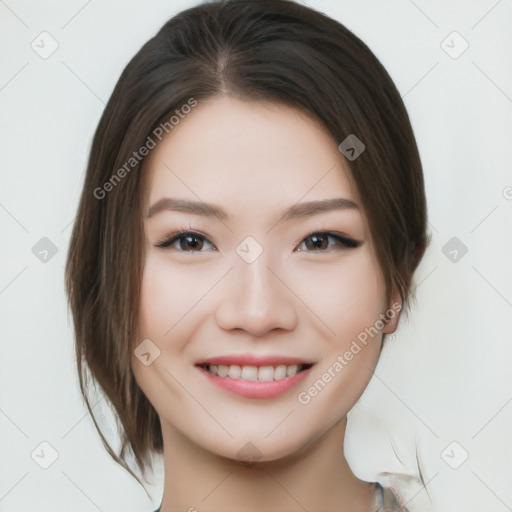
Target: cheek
[363,295]
[166,317]
[166,295]
[352,300]
[154,302]
[347,296]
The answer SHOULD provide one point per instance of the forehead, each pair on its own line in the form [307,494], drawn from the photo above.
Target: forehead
[248,156]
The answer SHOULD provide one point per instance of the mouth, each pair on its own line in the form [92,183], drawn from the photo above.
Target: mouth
[252,373]
[254,377]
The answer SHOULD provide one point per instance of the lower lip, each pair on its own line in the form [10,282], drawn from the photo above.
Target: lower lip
[254,388]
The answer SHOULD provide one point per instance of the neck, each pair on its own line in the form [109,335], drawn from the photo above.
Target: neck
[315,478]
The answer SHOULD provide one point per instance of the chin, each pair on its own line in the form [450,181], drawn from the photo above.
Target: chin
[257,449]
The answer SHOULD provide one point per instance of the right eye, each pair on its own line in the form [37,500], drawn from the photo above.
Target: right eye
[188,241]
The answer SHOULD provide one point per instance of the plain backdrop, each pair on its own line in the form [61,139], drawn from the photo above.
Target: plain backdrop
[441,397]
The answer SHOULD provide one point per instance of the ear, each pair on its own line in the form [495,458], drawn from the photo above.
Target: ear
[393,313]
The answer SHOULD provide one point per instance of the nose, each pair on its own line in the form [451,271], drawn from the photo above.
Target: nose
[256,299]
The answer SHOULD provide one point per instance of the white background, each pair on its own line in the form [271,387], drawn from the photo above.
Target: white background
[445,376]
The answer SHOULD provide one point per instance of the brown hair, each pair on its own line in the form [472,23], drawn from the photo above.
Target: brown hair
[268,50]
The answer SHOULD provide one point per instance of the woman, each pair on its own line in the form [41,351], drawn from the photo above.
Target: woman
[251,219]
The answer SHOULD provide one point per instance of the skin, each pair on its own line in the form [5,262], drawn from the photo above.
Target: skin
[255,160]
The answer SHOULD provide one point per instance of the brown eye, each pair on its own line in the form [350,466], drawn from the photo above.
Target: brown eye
[319,242]
[187,241]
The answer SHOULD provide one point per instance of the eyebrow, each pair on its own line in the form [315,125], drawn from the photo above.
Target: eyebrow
[304,209]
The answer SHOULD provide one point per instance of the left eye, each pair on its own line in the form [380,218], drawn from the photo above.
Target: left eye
[318,242]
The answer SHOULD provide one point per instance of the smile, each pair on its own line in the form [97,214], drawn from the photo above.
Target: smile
[256,373]
[254,377]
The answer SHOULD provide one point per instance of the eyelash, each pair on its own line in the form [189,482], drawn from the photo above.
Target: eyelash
[347,243]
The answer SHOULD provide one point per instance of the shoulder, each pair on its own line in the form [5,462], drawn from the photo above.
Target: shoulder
[399,492]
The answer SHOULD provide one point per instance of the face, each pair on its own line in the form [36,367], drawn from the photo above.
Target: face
[259,311]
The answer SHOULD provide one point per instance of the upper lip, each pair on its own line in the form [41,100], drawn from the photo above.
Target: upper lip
[253,360]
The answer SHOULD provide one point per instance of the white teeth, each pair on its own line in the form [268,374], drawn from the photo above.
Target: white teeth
[266,373]
[291,370]
[254,373]
[249,373]
[280,372]
[235,371]
[222,370]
